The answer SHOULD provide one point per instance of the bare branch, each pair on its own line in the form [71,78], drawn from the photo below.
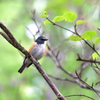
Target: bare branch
[97,83]
[76,81]
[80,95]
[87,60]
[34,19]
[62,79]
[58,46]
[52,55]
[91,87]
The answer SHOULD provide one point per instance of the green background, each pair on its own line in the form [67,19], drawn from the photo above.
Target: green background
[16,15]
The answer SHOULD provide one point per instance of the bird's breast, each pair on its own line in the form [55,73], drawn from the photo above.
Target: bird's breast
[38,51]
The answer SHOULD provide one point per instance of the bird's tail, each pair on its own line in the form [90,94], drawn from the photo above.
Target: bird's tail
[22,68]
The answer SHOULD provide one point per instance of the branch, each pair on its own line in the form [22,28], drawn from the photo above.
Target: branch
[97,83]
[34,19]
[9,37]
[91,61]
[59,26]
[87,60]
[93,48]
[73,81]
[90,87]
[60,44]
[80,95]
[52,55]
[62,79]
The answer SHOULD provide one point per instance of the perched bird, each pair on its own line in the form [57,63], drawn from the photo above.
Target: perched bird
[37,50]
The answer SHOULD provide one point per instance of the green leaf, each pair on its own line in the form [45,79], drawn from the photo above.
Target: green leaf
[75,38]
[70,16]
[58,18]
[88,34]
[46,22]
[41,15]
[45,13]
[97,40]
[95,55]
[81,22]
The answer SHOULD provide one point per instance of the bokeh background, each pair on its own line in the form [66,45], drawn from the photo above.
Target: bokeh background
[17,16]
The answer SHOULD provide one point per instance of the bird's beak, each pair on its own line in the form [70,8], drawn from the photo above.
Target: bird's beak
[45,39]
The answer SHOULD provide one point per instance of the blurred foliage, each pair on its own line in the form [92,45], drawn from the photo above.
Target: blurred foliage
[16,15]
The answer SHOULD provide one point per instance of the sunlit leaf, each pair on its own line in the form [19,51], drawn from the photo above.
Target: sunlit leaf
[70,16]
[95,55]
[58,18]
[45,13]
[88,34]
[46,22]
[81,22]
[41,15]
[97,40]
[75,38]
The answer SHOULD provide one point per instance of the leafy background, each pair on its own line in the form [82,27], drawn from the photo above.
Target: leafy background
[16,15]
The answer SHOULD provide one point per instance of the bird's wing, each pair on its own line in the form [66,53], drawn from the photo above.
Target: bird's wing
[32,45]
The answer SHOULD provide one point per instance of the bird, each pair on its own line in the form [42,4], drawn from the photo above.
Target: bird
[37,50]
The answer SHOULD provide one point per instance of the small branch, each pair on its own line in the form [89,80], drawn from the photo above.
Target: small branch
[62,79]
[36,63]
[91,61]
[80,95]
[91,87]
[87,60]
[59,26]
[73,81]
[60,43]
[97,83]
[93,48]
[83,66]
[52,55]
[34,19]
[96,66]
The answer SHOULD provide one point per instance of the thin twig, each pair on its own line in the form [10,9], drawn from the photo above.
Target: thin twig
[76,81]
[87,84]
[59,26]
[97,83]
[62,79]
[60,44]
[34,19]
[53,56]
[80,95]
[87,60]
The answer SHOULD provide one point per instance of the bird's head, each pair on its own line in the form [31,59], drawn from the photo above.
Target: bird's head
[41,40]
